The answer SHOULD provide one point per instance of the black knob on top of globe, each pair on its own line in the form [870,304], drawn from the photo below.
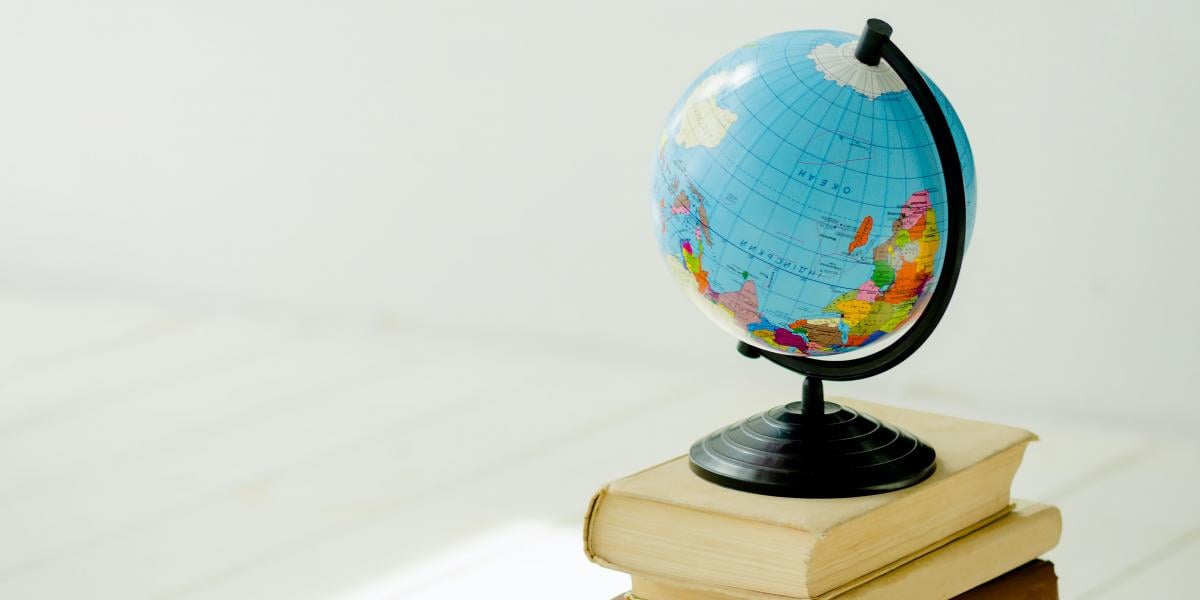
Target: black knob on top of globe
[815,194]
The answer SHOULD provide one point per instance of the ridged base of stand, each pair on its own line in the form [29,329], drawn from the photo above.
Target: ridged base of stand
[786,451]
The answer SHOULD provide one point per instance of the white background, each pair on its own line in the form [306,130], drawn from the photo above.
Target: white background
[477,173]
[481,169]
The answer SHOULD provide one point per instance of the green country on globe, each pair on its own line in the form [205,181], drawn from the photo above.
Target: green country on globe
[797,195]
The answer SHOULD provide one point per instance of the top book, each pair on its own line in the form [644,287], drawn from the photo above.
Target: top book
[668,522]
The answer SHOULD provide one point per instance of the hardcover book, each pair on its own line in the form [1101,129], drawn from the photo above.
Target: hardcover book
[665,522]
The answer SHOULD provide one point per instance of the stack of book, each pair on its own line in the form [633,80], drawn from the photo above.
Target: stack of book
[681,537]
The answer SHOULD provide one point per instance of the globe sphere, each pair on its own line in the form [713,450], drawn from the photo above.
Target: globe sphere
[797,195]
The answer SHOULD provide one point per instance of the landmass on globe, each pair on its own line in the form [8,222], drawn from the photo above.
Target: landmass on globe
[903,267]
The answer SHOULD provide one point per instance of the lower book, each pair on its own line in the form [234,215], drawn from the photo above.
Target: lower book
[960,569]
[1034,580]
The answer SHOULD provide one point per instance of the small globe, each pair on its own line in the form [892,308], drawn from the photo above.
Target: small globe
[797,195]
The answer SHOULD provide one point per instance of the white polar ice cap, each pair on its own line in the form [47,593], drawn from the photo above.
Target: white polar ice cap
[839,65]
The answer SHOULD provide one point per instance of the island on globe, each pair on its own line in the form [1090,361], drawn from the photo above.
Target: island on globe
[797,195]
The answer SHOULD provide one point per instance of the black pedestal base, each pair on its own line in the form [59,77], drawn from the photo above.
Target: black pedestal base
[828,451]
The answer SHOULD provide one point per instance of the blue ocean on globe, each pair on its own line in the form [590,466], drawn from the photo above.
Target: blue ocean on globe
[797,195]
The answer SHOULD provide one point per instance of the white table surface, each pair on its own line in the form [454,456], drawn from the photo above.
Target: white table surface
[148,452]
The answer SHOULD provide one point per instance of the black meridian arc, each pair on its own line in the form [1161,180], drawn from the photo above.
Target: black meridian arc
[874,44]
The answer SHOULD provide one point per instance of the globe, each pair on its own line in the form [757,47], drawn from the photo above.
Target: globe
[796,195]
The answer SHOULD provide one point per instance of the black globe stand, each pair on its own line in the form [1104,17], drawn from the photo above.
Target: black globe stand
[812,449]
[818,449]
